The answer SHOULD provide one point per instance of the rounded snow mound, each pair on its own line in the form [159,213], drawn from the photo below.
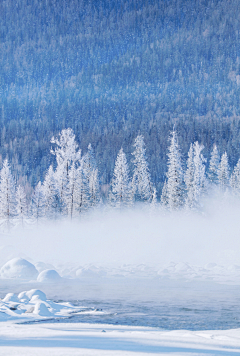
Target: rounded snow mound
[49,276]
[11,297]
[41,309]
[18,268]
[36,293]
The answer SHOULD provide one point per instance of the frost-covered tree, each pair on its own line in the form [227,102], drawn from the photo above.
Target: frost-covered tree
[21,204]
[38,203]
[235,179]
[189,179]
[67,154]
[199,182]
[50,194]
[164,195]
[7,193]
[141,181]
[90,171]
[214,166]
[120,181]
[223,172]
[173,192]
[82,191]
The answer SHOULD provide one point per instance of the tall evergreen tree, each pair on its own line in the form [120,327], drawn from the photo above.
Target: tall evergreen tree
[90,171]
[7,193]
[214,166]
[141,181]
[21,205]
[189,179]
[50,195]
[199,182]
[174,189]
[120,182]
[38,203]
[235,179]
[223,172]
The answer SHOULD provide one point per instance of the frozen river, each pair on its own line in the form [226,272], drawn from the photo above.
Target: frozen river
[162,303]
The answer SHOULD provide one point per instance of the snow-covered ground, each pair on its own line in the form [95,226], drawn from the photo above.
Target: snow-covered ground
[63,339]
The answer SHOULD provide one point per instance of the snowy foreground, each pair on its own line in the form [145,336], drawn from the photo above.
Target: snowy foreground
[91,339]
[19,337]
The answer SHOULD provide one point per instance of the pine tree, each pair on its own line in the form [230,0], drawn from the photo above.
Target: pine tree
[189,179]
[38,203]
[7,193]
[223,173]
[21,205]
[199,182]
[91,174]
[50,195]
[141,182]
[82,188]
[120,181]
[214,166]
[174,189]
[235,179]
[164,195]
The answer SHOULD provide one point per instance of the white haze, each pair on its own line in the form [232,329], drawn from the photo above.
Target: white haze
[134,237]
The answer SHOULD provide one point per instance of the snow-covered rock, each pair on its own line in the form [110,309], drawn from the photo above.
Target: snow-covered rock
[11,297]
[41,309]
[36,293]
[49,276]
[18,268]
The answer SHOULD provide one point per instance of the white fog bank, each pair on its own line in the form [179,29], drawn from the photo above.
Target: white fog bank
[133,237]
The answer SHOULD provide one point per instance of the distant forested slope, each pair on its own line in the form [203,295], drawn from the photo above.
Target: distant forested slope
[113,69]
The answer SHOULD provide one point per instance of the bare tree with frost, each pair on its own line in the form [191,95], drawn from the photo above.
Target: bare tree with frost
[67,154]
[173,190]
[120,182]
[142,188]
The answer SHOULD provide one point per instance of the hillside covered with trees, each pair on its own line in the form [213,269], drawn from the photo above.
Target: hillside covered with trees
[113,70]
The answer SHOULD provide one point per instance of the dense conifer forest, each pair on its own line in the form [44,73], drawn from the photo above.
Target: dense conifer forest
[112,70]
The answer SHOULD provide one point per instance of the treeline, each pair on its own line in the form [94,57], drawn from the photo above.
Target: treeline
[112,69]
[73,187]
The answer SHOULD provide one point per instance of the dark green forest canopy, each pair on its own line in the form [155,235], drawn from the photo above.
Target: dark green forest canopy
[113,69]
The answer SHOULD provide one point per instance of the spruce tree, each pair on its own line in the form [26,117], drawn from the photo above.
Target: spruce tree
[21,205]
[214,166]
[7,193]
[174,189]
[141,181]
[223,173]
[120,181]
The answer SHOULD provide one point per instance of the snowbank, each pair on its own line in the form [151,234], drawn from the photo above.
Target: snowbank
[49,276]
[74,339]
[18,268]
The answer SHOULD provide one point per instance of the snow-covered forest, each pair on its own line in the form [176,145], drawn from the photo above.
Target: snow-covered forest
[72,186]
[112,69]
